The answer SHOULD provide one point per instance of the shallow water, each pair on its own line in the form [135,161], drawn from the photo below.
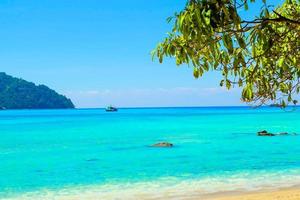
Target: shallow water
[216,149]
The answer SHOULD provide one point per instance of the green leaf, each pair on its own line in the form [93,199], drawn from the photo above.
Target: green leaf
[241,42]
[228,43]
[246,6]
[228,84]
[280,62]
[196,73]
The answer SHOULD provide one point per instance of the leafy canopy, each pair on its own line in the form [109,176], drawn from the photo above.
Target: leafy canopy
[261,55]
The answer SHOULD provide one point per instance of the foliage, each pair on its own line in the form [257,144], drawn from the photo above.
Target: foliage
[261,55]
[19,94]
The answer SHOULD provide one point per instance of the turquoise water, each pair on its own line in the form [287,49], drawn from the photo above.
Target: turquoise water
[47,150]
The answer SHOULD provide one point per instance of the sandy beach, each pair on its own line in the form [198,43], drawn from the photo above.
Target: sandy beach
[282,194]
[292,193]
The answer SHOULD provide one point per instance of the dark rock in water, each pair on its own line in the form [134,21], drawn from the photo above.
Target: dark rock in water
[162,144]
[284,133]
[92,160]
[276,105]
[265,133]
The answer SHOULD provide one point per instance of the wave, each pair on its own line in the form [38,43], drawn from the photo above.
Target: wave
[171,187]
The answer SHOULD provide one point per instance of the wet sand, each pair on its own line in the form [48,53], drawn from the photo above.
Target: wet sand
[281,194]
[276,194]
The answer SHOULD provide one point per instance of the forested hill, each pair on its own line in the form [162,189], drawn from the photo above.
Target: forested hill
[17,93]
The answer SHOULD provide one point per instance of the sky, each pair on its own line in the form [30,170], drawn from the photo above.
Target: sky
[97,53]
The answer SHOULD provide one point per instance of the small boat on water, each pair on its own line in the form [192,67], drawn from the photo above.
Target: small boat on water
[111,109]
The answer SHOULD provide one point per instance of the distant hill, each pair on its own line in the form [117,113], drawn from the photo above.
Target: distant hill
[17,93]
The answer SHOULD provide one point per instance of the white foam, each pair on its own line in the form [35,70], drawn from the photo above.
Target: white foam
[170,188]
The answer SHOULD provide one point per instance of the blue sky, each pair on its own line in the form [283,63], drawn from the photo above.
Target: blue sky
[98,53]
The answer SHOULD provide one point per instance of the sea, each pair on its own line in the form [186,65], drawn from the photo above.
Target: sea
[93,154]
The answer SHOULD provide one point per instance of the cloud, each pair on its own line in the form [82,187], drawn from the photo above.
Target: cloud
[135,97]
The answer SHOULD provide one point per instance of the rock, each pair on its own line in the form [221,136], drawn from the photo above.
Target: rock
[162,144]
[284,133]
[92,160]
[265,133]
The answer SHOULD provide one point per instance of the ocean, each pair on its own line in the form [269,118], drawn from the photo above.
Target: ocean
[88,153]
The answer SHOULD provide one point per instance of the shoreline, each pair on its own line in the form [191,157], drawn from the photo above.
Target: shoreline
[291,193]
[257,185]
[279,193]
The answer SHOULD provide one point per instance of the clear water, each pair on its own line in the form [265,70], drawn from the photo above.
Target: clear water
[215,149]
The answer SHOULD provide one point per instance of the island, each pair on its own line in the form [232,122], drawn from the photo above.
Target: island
[16,93]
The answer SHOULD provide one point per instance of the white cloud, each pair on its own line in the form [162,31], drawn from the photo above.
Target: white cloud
[177,96]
